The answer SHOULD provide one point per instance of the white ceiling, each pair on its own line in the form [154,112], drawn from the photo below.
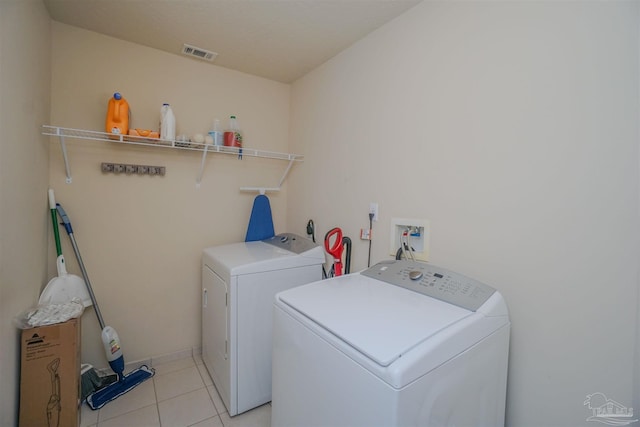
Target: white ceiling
[280,40]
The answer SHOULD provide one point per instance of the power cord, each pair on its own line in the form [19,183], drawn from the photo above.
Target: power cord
[370,233]
[311,231]
[346,241]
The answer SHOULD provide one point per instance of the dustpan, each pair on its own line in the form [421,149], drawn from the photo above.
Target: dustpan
[65,287]
[261,222]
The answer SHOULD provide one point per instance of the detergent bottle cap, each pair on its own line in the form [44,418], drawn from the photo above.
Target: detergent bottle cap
[117,96]
[233,124]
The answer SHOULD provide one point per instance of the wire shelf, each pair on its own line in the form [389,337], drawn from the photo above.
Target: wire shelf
[150,142]
[62,133]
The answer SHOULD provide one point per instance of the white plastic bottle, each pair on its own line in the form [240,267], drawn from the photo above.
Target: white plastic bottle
[167,123]
[215,132]
[111,343]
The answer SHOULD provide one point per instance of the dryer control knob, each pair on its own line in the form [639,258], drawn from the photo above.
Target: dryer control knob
[415,275]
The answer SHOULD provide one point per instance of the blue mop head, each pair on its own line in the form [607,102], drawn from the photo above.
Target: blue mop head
[111,392]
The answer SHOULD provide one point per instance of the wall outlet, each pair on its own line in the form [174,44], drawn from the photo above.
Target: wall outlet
[365,234]
[143,170]
[417,234]
[129,169]
[118,168]
[373,209]
[107,167]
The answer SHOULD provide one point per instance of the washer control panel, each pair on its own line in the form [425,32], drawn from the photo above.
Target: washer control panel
[291,242]
[432,281]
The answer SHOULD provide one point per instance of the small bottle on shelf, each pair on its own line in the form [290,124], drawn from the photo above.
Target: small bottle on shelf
[233,137]
[215,133]
[167,123]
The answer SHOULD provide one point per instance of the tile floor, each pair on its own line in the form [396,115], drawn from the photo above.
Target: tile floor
[181,394]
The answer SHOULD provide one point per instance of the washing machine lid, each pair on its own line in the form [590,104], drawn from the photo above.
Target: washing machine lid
[377,319]
[258,256]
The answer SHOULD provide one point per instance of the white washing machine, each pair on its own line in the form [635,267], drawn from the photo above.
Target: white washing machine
[239,283]
[402,343]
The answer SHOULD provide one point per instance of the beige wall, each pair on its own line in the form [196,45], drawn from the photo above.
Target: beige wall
[25,84]
[141,237]
[513,128]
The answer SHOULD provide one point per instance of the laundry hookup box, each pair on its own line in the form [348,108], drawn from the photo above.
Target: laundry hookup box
[50,375]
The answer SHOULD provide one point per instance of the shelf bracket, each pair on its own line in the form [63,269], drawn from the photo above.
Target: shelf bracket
[201,171]
[286,172]
[263,190]
[260,190]
[63,146]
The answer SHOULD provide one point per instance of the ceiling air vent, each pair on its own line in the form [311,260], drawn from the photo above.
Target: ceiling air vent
[196,52]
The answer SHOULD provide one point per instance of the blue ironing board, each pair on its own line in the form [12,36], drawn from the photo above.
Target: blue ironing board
[261,221]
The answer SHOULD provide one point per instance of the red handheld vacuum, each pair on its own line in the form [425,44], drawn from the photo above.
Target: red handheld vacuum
[334,244]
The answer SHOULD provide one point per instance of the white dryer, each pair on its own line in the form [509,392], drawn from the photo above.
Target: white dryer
[239,283]
[402,343]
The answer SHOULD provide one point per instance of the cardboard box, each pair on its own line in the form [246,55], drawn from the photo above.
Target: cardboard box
[50,376]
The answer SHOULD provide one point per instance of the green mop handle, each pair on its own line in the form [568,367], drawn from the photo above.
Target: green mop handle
[54,219]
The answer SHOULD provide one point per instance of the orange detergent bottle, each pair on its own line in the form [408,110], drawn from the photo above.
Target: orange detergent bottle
[118,115]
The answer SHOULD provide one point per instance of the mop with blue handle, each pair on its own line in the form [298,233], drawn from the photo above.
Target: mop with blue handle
[110,340]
